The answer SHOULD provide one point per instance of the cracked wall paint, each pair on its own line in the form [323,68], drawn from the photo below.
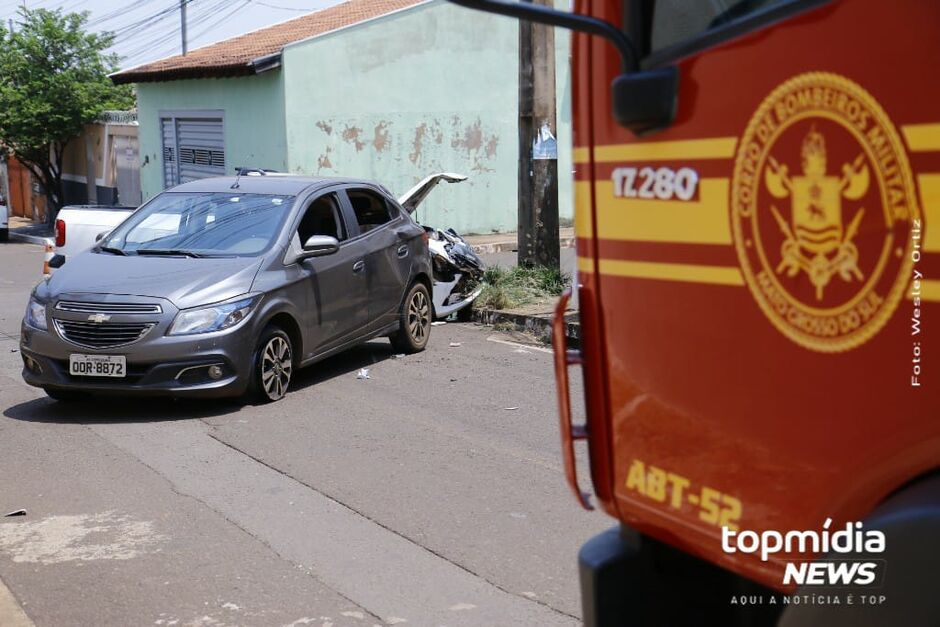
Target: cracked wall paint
[429,94]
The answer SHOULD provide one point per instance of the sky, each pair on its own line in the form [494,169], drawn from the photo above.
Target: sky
[148,30]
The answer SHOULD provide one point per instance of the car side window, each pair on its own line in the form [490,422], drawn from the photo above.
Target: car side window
[370,208]
[322,217]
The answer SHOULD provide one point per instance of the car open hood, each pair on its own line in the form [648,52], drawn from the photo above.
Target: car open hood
[183,281]
[419,192]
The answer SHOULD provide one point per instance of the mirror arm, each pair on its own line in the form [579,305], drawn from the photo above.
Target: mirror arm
[552,17]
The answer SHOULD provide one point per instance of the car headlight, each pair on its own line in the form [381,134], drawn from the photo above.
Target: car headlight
[36,314]
[213,317]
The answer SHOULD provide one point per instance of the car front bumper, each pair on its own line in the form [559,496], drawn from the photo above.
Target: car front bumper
[157,365]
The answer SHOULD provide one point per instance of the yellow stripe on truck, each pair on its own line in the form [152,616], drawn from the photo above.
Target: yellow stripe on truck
[922,137]
[929,185]
[679,150]
[583,227]
[704,221]
[690,273]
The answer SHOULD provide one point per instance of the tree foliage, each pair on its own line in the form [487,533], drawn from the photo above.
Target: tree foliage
[53,81]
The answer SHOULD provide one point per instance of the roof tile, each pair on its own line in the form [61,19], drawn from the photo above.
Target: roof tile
[233,57]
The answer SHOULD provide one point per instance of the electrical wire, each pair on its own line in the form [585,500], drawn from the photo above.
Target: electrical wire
[274,6]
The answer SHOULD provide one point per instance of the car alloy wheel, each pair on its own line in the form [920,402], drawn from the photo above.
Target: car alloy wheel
[419,316]
[276,367]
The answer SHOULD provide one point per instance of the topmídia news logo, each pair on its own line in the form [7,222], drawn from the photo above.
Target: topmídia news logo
[861,569]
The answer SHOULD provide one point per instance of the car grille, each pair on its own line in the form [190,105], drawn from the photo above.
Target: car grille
[108,308]
[108,335]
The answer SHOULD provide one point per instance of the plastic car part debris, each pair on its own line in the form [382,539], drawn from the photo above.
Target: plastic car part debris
[438,323]
[454,344]
[16,512]
[458,272]
[363,374]
[510,408]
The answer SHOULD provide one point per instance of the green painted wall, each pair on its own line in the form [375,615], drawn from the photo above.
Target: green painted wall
[255,132]
[432,88]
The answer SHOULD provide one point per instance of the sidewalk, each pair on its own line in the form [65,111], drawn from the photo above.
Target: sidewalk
[24,230]
[508,242]
[535,320]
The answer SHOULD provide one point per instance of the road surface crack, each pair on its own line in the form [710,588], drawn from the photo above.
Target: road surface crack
[385,527]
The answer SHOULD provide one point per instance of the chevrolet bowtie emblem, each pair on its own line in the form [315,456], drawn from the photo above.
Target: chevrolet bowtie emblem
[99,318]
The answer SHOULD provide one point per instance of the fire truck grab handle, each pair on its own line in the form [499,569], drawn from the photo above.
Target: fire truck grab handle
[569,432]
[563,19]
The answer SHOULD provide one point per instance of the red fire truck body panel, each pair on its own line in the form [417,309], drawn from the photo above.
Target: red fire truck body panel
[759,281]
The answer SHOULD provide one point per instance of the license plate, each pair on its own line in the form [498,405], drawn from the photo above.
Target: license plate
[97,365]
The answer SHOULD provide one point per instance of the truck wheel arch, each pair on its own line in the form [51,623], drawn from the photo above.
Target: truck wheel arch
[910,520]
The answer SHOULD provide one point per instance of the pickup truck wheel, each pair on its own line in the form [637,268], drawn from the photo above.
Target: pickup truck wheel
[414,321]
[272,366]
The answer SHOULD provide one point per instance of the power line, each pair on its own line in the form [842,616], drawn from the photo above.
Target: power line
[274,6]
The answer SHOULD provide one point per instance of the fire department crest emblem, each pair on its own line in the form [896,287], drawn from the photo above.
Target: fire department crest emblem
[822,203]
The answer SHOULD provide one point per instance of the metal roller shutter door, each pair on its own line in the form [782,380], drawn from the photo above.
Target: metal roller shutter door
[201,148]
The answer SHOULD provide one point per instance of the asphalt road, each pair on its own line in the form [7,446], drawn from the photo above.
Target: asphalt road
[430,494]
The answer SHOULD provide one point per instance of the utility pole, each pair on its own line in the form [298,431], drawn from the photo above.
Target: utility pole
[183,4]
[538,149]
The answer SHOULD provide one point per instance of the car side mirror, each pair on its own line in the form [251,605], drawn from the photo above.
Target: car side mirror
[319,246]
[100,236]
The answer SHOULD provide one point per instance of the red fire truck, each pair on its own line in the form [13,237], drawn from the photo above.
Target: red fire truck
[756,183]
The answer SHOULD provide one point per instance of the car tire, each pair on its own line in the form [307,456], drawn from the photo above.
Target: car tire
[65,396]
[414,321]
[272,366]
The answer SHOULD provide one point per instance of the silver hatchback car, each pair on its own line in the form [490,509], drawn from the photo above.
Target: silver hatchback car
[225,286]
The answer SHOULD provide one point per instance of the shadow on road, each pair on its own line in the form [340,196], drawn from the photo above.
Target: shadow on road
[113,409]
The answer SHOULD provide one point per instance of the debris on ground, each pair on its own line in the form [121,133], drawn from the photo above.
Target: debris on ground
[438,323]
[454,344]
[363,374]
[14,350]
[398,356]
[16,512]
[510,408]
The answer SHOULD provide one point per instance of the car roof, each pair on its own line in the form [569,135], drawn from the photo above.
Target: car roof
[280,184]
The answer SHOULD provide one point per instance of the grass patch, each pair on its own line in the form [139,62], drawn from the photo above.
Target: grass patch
[507,288]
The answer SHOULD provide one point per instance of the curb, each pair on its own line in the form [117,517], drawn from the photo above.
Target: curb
[538,325]
[29,239]
[512,246]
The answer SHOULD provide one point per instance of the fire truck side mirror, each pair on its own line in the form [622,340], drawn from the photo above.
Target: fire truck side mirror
[646,101]
[643,100]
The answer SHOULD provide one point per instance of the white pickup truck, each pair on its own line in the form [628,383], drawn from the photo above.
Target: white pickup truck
[78,226]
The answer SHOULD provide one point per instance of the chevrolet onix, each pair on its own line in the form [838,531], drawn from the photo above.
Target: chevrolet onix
[225,286]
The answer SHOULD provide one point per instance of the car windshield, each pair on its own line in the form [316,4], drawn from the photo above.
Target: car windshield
[208,224]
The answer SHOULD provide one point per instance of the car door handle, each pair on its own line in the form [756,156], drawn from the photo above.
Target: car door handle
[403,250]
[359,266]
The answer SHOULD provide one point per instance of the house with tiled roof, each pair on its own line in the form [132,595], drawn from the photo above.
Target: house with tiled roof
[384,89]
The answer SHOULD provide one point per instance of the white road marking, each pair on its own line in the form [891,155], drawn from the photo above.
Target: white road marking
[65,538]
[499,340]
